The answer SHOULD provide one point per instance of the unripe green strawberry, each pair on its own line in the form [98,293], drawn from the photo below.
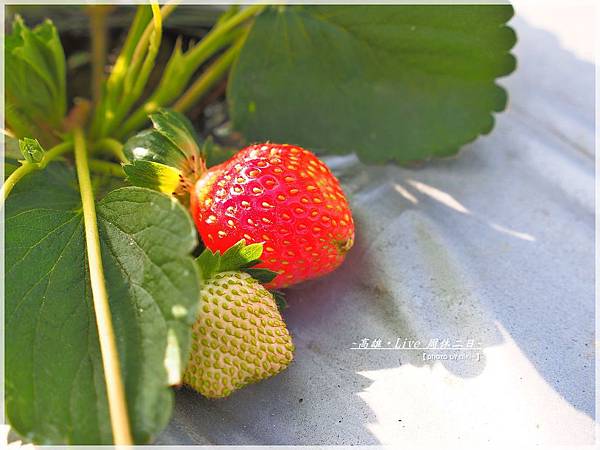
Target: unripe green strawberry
[239,337]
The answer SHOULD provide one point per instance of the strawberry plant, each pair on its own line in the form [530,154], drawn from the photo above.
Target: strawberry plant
[108,197]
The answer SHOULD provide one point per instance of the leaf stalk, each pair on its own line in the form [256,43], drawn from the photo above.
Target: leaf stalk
[28,167]
[169,89]
[108,347]
[107,168]
[130,73]
[112,147]
[209,77]
[98,14]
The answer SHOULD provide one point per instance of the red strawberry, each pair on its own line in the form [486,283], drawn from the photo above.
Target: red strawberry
[281,195]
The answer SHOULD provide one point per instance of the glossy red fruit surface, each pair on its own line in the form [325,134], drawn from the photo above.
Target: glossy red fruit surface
[281,195]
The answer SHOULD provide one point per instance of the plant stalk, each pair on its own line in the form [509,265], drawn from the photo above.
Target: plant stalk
[142,44]
[209,78]
[138,72]
[107,168]
[112,147]
[199,53]
[98,14]
[130,59]
[220,36]
[15,177]
[118,71]
[110,358]
[28,167]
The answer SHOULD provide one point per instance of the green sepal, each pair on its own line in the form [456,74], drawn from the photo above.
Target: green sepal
[208,262]
[151,145]
[153,175]
[280,300]
[177,128]
[264,276]
[31,150]
[169,150]
[239,257]
[166,157]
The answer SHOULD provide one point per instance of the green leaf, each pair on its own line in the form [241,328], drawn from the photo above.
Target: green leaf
[397,82]
[36,80]
[55,391]
[31,150]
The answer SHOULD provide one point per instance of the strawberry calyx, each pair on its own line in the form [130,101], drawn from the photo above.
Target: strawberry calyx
[243,258]
[239,257]
[344,246]
[170,157]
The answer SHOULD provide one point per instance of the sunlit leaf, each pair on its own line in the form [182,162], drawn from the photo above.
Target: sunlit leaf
[396,82]
[55,388]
